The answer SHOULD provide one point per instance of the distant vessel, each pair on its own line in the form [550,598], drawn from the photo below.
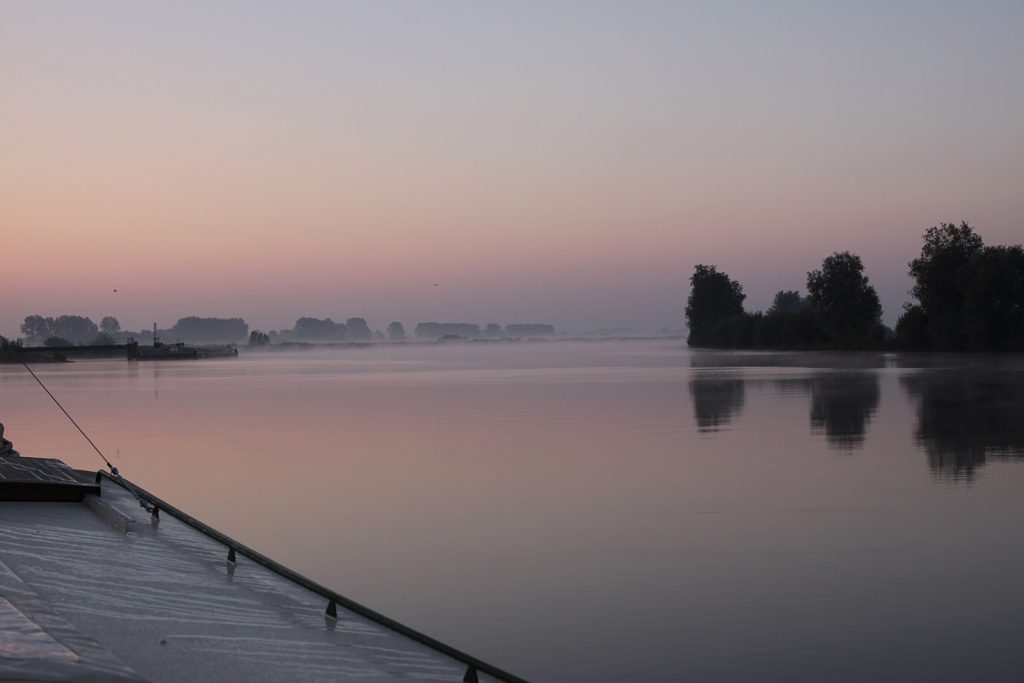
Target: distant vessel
[177,350]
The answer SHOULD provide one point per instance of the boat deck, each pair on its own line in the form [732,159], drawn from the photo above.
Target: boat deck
[96,590]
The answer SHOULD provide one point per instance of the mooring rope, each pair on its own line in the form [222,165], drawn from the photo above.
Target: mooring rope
[113,470]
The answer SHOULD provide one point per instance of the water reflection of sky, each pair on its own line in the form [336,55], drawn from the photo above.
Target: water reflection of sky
[603,511]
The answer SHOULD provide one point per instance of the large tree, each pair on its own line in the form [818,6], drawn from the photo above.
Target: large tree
[845,303]
[358,330]
[315,329]
[396,331]
[207,330]
[993,300]
[258,338]
[75,328]
[942,273]
[110,326]
[36,328]
[714,297]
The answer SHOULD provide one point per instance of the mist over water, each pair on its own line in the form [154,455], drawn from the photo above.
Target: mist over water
[601,511]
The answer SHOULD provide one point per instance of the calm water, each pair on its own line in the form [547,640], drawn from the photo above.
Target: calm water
[602,511]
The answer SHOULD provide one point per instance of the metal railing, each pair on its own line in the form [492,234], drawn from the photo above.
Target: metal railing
[334,599]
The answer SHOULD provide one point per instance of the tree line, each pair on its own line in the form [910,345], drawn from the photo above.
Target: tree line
[356,329]
[69,330]
[969,297]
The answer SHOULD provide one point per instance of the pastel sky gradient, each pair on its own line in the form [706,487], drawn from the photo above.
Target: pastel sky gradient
[563,162]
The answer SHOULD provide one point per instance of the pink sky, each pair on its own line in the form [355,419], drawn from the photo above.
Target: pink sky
[565,165]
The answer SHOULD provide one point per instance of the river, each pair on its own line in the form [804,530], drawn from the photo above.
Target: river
[576,511]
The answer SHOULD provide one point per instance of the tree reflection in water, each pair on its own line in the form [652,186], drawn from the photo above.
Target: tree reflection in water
[842,404]
[966,417]
[716,399]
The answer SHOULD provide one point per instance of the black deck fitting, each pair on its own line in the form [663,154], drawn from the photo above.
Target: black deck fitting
[332,609]
[231,555]
[156,514]
[471,675]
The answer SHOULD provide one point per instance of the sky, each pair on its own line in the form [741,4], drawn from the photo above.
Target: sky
[561,162]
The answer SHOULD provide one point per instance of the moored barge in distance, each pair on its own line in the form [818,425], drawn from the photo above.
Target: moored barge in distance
[102,581]
[178,350]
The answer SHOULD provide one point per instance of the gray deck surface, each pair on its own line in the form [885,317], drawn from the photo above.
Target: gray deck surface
[81,601]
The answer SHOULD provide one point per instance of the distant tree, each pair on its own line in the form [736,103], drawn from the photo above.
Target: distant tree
[358,330]
[433,330]
[196,329]
[257,338]
[110,325]
[102,339]
[529,330]
[713,298]
[75,328]
[8,348]
[396,331]
[492,330]
[314,329]
[844,302]
[788,301]
[941,273]
[379,336]
[36,328]
[56,341]
[912,329]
